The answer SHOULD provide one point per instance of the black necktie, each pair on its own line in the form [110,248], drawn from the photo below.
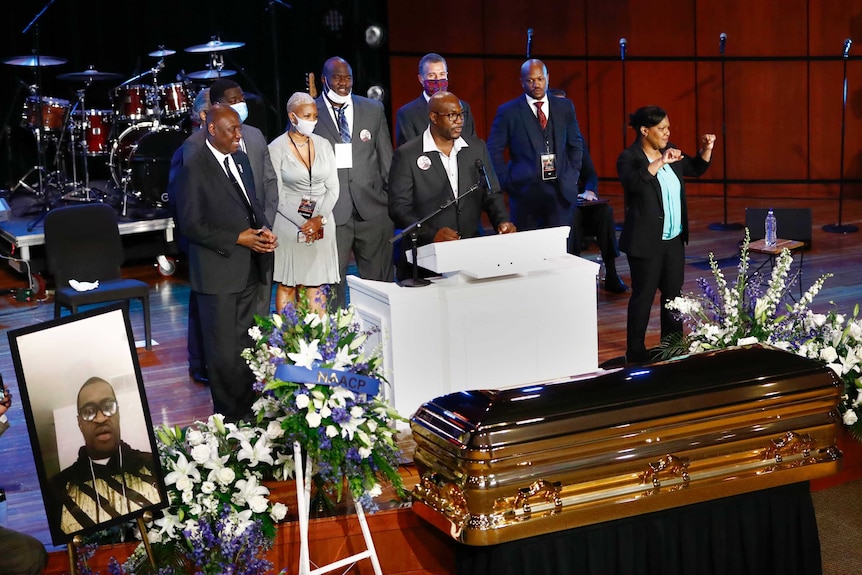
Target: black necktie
[238,188]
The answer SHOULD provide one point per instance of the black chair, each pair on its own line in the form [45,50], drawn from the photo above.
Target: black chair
[83,243]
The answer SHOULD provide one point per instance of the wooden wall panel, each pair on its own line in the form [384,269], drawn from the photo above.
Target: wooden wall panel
[605,118]
[446,26]
[650,29]
[558,27]
[670,85]
[825,113]
[764,28]
[830,23]
[767,124]
[709,111]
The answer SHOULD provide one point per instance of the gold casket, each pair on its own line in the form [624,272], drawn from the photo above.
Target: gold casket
[501,465]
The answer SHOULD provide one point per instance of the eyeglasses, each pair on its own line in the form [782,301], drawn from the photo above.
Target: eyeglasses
[454,116]
[108,407]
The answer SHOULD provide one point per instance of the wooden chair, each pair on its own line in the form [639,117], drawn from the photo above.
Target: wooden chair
[83,243]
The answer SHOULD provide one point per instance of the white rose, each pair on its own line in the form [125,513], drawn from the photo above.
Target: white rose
[201,453]
[185,483]
[332,431]
[194,437]
[828,354]
[258,504]
[302,401]
[313,419]
[279,512]
[225,476]
[196,509]
[188,496]
[274,430]
[325,412]
[850,417]
[208,487]
[356,412]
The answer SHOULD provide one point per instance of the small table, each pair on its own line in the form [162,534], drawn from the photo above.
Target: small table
[760,247]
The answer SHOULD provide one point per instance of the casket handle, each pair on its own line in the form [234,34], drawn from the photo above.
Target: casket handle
[670,465]
[788,444]
[547,492]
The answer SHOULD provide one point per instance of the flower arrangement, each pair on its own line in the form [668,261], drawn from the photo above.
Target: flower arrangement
[744,312]
[320,388]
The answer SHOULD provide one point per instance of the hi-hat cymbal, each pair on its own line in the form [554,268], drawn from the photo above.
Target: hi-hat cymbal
[161,52]
[89,75]
[31,61]
[210,74]
[215,46]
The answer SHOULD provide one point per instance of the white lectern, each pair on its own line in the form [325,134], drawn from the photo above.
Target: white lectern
[509,310]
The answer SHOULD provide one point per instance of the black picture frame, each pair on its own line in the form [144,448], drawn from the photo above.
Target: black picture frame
[52,361]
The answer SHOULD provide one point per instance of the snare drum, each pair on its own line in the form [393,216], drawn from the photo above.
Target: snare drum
[54,112]
[141,159]
[134,102]
[96,130]
[174,99]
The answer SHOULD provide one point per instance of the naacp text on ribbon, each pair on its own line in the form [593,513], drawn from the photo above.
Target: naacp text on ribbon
[323,376]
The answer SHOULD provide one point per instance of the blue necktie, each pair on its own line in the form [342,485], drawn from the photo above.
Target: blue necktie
[343,128]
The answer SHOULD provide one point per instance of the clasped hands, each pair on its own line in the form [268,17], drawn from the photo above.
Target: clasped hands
[313,229]
[448,234]
[260,240]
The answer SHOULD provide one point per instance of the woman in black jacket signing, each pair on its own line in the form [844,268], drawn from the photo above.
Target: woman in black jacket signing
[655,230]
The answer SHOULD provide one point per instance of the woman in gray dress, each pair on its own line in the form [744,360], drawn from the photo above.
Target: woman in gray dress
[306,258]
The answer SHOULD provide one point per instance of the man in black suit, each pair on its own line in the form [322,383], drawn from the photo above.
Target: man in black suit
[230,254]
[545,154]
[253,143]
[412,118]
[430,170]
[358,131]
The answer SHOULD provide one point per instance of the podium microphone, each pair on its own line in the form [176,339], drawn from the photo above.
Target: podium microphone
[622,48]
[847,44]
[722,40]
[529,42]
[483,176]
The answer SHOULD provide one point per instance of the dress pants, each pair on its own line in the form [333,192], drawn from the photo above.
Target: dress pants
[225,320]
[368,240]
[597,220]
[662,271]
[542,206]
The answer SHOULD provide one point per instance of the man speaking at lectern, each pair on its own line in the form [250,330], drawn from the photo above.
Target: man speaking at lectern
[436,167]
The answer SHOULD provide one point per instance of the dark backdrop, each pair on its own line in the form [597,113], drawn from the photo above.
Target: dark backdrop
[117,35]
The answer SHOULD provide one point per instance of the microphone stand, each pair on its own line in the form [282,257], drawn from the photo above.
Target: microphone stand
[623,64]
[840,228]
[723,225]
[413,230]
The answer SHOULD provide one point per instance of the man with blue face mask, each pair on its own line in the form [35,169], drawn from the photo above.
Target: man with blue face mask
[412,118]
[359,133]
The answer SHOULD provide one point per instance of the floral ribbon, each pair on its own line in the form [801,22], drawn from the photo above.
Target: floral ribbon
[325,376]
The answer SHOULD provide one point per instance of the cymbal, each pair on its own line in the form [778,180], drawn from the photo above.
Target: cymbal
[89,75]
[215,46]
[210,74]
[31,61]
[161,52]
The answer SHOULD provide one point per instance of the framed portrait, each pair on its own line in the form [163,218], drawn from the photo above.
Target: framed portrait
[89,422]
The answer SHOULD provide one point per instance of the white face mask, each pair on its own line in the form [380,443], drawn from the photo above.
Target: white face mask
[336,97]
[240,108]
[304,127]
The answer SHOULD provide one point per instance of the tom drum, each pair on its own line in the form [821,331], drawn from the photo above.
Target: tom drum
[95,128]
[53,112]
[174,99]
[133,102]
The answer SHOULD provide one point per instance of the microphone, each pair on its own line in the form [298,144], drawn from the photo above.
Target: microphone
[722,40]
[847,43]
[529,42]
[622,48]
[483,175]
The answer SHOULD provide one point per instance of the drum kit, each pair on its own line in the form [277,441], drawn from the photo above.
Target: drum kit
[135,139]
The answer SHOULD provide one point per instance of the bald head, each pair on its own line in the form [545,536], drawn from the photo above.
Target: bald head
[223,128]
[534,78]
[338,76]
[446,115]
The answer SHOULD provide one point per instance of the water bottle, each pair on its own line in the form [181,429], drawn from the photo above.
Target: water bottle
[771,227]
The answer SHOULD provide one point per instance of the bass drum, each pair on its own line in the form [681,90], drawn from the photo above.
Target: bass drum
[140,160]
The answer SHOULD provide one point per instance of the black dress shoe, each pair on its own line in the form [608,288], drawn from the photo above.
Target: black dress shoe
[614,284]
[199,376]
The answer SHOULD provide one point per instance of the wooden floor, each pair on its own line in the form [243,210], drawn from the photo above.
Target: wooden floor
[175,399]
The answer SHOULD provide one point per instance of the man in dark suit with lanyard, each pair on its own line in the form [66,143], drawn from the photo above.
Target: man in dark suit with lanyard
[545,154]
[230,255]
[430,170]
[358,131]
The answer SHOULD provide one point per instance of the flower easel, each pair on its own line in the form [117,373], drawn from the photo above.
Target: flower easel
[303,500]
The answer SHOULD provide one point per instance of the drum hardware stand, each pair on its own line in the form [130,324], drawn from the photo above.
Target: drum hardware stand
[73,195]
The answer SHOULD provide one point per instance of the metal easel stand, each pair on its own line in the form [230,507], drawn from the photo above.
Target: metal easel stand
[303,499]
